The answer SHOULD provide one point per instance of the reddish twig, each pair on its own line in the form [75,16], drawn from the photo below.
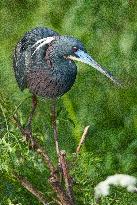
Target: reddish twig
[62,195]
[82,138]
[67,179]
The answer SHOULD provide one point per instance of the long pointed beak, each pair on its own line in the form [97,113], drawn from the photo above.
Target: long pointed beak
[85,58]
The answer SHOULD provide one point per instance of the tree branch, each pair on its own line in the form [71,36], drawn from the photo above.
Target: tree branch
[68,180]
[27,185]
[82,138]
[61,194]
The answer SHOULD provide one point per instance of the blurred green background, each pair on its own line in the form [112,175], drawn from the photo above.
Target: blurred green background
[108,30]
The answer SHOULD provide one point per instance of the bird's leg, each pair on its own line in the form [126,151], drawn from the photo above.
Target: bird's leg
[29,121]
[54,125]
[62,163]
[34,104]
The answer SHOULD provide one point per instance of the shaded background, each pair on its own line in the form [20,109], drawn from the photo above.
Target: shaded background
[108,30]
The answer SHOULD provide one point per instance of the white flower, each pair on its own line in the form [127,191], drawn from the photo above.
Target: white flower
[127,181]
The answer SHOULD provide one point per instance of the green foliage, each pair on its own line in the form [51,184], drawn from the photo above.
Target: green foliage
[108,30]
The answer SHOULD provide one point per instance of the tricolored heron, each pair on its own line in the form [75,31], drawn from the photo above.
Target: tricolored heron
[44,62]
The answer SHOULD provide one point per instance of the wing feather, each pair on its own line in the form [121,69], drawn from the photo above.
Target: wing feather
[22,57]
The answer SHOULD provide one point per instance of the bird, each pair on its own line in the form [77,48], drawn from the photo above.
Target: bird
[44,63]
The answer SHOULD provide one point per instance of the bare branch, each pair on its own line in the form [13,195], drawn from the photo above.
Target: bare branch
[82,138]
[61,194]
[68,180]
[27,185]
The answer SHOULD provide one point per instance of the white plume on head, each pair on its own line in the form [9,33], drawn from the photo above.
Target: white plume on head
[42,42]
[123,180]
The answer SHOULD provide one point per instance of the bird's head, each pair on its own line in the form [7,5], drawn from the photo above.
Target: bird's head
[69,48]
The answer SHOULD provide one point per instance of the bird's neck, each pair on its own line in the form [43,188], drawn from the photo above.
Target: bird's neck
[56,59]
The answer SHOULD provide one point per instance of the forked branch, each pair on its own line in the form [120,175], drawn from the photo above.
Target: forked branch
[62,195]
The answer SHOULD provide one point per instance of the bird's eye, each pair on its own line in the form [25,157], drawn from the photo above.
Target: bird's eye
[74,49]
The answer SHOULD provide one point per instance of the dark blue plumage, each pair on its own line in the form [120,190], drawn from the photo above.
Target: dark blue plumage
[46,72]
[44,62]
[22,60]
